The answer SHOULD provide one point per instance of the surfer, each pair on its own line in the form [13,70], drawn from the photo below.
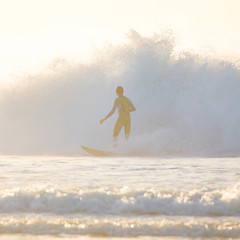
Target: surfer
[125,106]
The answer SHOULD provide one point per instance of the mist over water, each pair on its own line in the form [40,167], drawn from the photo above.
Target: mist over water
[186,104]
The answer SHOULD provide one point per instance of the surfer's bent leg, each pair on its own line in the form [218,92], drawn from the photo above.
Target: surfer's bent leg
[117,128]
[127,127]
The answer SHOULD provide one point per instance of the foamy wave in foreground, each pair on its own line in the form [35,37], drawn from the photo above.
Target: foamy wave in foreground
[122,202]
[124,227]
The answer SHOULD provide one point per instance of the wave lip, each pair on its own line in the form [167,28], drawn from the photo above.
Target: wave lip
[122,202]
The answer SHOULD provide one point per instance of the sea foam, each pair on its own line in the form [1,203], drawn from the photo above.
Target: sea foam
[124,227]
[186,103]
[122,202]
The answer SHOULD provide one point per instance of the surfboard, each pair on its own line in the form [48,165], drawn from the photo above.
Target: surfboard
[99,153]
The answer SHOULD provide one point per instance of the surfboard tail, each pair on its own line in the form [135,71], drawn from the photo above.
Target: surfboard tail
[98,153]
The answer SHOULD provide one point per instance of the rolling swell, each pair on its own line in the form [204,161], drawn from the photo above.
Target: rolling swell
[121,212]
[115,227]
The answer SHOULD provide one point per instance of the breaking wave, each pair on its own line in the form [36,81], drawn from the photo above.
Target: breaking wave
[186,103]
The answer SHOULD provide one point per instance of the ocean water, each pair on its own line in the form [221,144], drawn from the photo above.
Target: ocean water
[86,197]
[186,132]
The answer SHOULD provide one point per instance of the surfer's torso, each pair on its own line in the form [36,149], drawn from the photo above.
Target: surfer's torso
[123,104]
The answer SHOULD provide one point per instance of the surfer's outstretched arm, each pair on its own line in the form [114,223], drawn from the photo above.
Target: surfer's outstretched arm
[110,113]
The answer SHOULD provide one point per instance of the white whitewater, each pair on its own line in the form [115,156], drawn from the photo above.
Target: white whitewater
[186,104]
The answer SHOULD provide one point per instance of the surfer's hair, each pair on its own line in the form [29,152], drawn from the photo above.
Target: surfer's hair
[119,90]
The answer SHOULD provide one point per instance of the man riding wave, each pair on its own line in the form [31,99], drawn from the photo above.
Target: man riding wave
[125,106]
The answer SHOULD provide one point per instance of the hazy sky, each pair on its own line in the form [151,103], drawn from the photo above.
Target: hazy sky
[35,31]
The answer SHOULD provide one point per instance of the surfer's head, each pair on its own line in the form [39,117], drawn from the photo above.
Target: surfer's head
[119,90]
